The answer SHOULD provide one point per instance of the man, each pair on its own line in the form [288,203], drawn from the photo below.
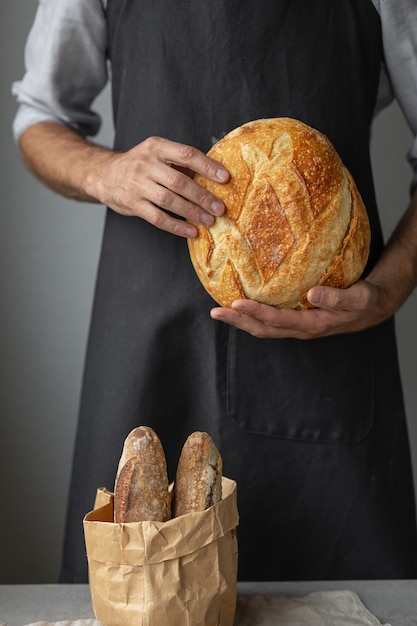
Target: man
[313,431]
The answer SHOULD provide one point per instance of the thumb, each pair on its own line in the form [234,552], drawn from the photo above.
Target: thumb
[329,298]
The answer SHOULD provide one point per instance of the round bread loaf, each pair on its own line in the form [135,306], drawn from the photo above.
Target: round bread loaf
[294,217]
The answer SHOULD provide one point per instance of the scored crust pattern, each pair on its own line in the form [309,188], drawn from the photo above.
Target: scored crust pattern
[294,217]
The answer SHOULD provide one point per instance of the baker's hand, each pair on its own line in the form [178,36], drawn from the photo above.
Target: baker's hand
[153,181]
[362,305]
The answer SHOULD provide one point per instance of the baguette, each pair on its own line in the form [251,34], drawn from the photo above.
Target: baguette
[198,478]
[141,486]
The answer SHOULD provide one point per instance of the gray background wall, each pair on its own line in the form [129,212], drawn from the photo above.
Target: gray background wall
[48,256]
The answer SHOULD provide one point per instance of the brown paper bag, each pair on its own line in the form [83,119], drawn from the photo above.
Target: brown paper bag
[181,572]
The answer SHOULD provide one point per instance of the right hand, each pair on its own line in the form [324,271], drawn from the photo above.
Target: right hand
[153,181]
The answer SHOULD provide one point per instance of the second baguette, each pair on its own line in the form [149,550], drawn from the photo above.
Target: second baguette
[198,478]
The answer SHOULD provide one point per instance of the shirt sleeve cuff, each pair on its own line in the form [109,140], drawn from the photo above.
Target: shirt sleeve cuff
[28,115]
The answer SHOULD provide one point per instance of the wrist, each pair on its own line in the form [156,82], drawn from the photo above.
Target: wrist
[94,173]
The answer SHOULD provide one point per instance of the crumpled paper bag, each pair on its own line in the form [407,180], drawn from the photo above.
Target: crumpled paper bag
[183,571]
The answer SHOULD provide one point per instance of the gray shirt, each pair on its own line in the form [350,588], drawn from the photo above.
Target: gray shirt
[66,65]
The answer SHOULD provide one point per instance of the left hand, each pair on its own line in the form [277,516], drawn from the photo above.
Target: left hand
[366,303]
[337,311]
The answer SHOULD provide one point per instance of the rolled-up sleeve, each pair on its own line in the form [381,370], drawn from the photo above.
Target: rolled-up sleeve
[65,66]
[399,29]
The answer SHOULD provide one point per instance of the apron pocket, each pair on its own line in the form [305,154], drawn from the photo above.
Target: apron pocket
[316,390]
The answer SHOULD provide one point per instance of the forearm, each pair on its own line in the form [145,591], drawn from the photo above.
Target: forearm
[396,271]
[64,161]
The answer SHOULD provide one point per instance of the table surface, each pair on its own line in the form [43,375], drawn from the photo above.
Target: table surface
[393,602]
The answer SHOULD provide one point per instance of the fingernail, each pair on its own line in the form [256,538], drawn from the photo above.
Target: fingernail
[206,219]
[217,207]
[190,231]
[314,296]
[222,175]
[216,314]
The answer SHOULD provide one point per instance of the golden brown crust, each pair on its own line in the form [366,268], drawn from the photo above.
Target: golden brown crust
[197,483]
[294,217]
[141,487]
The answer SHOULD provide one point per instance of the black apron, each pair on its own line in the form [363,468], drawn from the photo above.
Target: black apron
[313,432]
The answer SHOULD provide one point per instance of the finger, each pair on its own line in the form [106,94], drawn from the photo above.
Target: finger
[353,299]
[300,324]
[184,188]
[241,321]
[162,220]
[168,200]
[260,327]
[282,318]
[325,297]
[194,160]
